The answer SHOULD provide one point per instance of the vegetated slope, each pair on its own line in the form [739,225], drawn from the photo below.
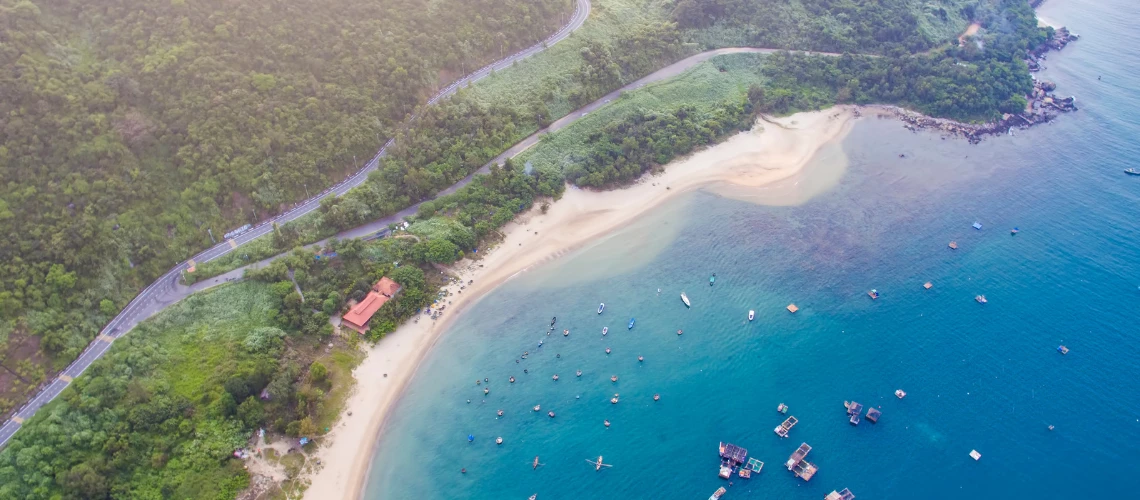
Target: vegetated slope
[863,26]
[129,128]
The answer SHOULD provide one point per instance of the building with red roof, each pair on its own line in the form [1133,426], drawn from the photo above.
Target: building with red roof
[359,314]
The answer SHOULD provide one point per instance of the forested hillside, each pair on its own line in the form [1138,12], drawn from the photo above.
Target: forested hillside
[129,128]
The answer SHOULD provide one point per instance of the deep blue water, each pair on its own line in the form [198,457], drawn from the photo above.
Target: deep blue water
[983,377]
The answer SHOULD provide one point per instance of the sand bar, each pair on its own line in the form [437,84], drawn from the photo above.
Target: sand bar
[774,150]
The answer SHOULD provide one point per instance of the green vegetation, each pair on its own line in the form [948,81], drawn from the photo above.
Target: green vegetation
[712,96]
[131,128]
[977,81]
[161,414]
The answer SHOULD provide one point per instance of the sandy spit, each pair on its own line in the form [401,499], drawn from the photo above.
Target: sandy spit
[772,151]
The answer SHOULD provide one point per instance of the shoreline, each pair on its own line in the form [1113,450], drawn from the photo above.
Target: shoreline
[774,150]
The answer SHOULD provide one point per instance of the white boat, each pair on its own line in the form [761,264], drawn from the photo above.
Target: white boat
[751,315]
[605,330]
[685,299]
[601,307]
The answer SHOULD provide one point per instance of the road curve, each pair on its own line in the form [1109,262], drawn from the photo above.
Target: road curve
[166,290]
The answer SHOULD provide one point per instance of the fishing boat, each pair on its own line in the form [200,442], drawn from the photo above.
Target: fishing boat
[631,320]
[598,463]
[605,330]
[874,294]
[1062,349]
[751,315]
[977,225]
[981,299]
[712,279]
[685,299]
[718,493]
[1132,171]
[601,307]
[783,408]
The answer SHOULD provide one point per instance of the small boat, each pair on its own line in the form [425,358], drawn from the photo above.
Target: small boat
[512,379]
[685,299]
[555,377]
[607,350]
[470,438]
[981,299]
[601,307]
[533,497]
[641,358]
[751,315]
[605,330]
[712,279]
[657,397]
[565,333]
[486,390]
[953,245]
[579,373]
[606,423]
[681,331]
[1062,349]
[783,408]
[1014,231]
[534,466]
[718,493]
[500,413]
[552,320]
[598,463]
[977,225]
[874,294]
[550,414]
[537,407]
[614,378]
[631,320]
[614,400]
[499,440]
[899,393]
[1132,171]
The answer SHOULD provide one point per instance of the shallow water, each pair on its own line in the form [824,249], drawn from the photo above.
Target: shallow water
[983,377]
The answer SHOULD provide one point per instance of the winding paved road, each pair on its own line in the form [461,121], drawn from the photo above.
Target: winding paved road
[167,290]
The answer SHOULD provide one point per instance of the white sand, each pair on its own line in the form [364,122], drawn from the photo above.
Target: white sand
[767,154]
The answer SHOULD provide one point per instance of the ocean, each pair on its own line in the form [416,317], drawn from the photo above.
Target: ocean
[978,377]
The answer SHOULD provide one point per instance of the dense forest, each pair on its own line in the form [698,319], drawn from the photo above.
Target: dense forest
[976,81]
[162,413]
[131,130]
[866,26]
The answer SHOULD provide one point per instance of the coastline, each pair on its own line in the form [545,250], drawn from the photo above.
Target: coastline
[772,151]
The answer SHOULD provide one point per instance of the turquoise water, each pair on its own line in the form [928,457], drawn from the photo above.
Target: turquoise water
[978,377]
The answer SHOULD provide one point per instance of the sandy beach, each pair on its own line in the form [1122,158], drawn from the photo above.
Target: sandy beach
[772,151]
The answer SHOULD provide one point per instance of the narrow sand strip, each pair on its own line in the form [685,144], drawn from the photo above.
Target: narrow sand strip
[772,151]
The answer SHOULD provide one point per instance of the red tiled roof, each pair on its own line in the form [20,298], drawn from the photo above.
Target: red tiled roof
[386,287]
[363,310]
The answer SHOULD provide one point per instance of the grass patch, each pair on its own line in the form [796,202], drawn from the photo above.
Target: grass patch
[705,86]
[547,76]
